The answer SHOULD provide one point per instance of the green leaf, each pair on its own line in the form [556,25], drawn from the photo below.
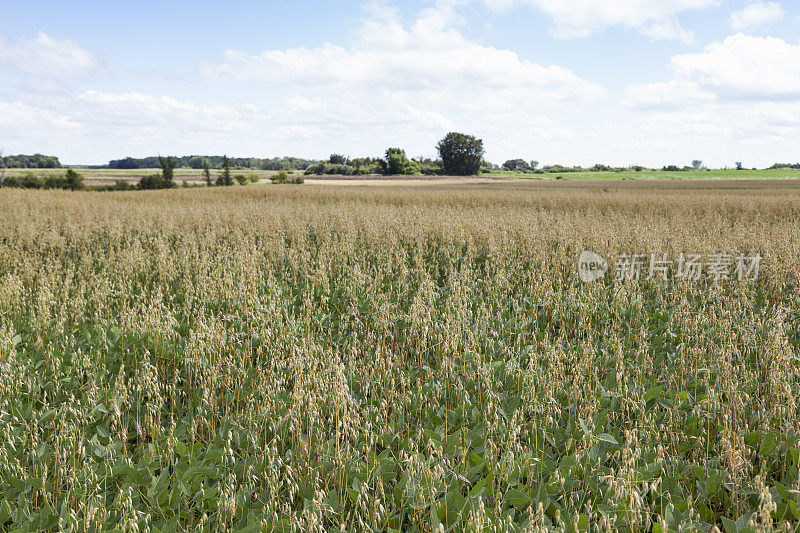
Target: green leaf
[653,393]
[768,444]
[517,498]
[5,512]
[605,437]
[751,439]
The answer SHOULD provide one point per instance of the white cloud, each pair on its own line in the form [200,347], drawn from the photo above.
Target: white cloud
[737,99]
[656,19]
[745,67]
[47,57]
[673,95]
[429,57]
[756,14]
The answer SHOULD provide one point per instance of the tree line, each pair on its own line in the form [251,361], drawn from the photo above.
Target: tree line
[459,155]
[29,161]
[197,162]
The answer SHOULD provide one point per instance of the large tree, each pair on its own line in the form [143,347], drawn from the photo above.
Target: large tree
[167,165]
[461,154]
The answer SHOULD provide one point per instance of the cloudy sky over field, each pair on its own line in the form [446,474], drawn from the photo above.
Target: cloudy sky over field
[560,81]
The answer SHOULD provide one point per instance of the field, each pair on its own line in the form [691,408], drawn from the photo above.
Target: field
[105,177]
[410,357]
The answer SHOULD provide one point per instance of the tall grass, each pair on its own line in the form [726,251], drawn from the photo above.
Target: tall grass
[427,359]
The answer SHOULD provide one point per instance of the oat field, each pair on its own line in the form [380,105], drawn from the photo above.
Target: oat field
[420,358]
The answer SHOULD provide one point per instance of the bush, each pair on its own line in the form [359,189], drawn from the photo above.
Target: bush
[279,177]
[337,169]
[122,185]
[254,178]
[53,182]
[30,181]
[316,168]
[282,177]
[73,181]
[241,179]
[152,182]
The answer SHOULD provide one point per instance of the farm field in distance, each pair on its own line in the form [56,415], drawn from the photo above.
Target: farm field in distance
[419,356]
[106,177]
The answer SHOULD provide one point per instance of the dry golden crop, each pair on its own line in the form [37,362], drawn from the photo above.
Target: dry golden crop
[397,358]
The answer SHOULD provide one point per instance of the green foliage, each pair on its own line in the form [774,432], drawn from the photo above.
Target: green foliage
[316,169]
[396,163]
[461,154]
[29,180]
[206,172]
[279,177]
[151,182]
[225,179]
[337,169]
[214,161]
[31,161]
[516,165]
[282,177]
[254,177]
[337,159]
[167,165]
[122,185]
[241,179]
[73,181]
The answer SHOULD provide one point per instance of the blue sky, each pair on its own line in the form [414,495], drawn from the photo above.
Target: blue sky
[561,81]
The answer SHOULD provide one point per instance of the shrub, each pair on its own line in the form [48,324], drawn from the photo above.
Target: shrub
[73,181]
[337,169]
[122,185]
[317,168]
[254,178]
[53,182]
[152,182]
[30,181]
[279,177]
[241,179]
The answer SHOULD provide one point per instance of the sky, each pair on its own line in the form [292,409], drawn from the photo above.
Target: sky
[574,82]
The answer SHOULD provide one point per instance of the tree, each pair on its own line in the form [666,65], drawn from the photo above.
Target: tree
[225,179]
[337,159]
[697,164]
[167,171]
[73,181]
[397,163]
[461,154]
[739,165]
[534,164]
[207,172]
[516,165]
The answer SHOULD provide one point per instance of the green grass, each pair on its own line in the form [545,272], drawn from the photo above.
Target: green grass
[658,175]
